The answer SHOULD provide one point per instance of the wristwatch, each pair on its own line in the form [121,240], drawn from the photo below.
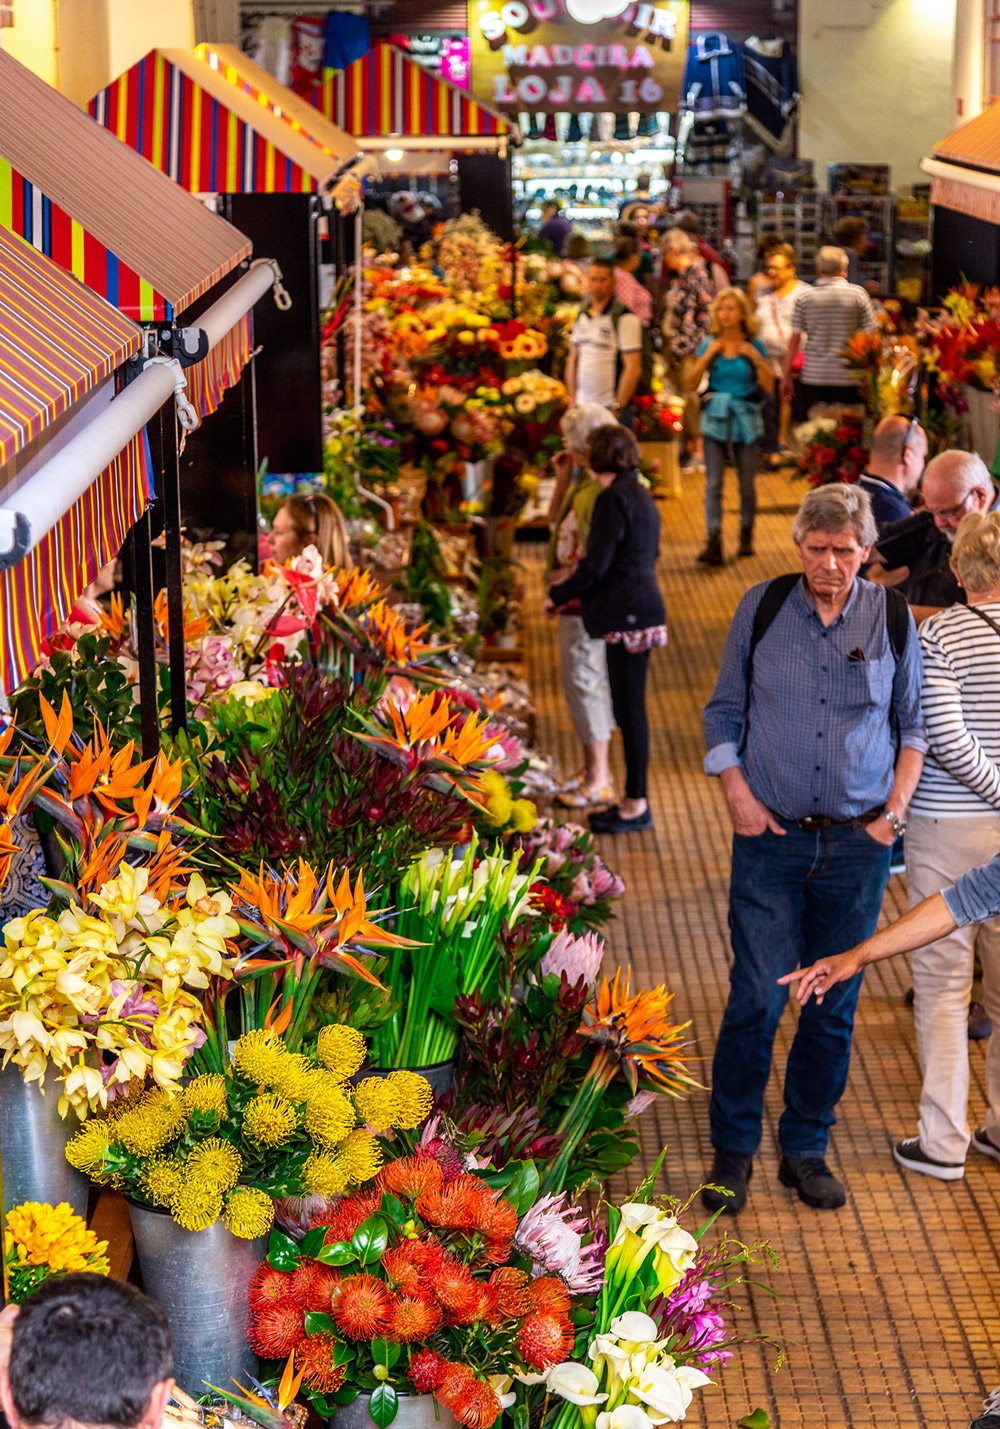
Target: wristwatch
[615,407]
[895,823]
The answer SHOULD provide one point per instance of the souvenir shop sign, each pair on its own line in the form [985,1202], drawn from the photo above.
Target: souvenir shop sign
[578,56]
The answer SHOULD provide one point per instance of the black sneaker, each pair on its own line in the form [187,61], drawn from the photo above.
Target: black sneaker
[813,1180]
[711,555]
[910,1153]
[983,1143]
[980,1025]
[610,821]
[991,1419]
[731,1171]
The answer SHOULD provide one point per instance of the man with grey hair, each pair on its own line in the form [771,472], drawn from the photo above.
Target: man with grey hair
[827,315]
[914,555]
[814,729]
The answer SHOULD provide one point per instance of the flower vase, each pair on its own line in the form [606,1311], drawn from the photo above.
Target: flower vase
[33,1139]
[667,455]
[414,1411]
[202,1280]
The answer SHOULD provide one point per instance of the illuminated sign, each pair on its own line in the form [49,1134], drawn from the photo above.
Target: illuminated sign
[578,56]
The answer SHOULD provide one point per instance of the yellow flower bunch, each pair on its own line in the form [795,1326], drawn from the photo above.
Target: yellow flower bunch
[43,1241]
[502,810]
[114,981]
[277,1123]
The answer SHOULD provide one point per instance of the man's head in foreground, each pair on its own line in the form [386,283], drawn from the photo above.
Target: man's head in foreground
[86,1350]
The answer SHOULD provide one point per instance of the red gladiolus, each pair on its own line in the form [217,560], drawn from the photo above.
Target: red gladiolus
[361,1307]
[274,1331]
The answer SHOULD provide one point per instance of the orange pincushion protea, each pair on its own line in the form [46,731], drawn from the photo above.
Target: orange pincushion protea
[457,1290]
[548,1293]
[413,1319]
[347,1215]
[459,1206]
[314,1360]
[511,1288]
[411,1176]
[472,1401]
[361,1307]
[402,1269]
[275,1330]
[545,1339]
[312,1284]
[270,1287]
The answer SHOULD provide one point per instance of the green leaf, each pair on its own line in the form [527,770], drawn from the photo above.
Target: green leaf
[282,1252]
[382,1405]
[385,1352]
[758,1419]
[317,1323]
[347,1395]
[393,1209]
[369,1242]
[338,1253]
[313,1242]
[525,1186]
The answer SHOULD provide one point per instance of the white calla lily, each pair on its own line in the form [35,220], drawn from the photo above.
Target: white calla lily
[626,1416]
[667,1391]
[574,1382]
[634,1326]
[634,1215]
[502,1386]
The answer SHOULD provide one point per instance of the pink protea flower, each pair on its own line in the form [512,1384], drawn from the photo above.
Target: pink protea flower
[577,957]
[551,1233]
[582,890]
[606,883]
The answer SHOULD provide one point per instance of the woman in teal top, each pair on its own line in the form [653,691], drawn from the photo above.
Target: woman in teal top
[738,372]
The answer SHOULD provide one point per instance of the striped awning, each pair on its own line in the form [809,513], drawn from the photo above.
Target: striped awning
[217,123]
[57,341]
[99,210]
[386,94]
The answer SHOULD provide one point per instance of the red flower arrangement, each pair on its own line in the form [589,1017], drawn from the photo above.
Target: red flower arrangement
[406,1285]
[656,419]
[832,450]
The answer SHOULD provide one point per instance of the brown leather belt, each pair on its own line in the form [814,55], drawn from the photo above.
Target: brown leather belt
[821,821]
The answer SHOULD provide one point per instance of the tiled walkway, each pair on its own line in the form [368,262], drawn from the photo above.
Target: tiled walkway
[890,1309]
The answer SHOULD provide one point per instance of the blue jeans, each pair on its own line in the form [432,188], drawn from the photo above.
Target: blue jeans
[792,900]
[746,455]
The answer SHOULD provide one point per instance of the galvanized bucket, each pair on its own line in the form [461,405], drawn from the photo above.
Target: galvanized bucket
[33,1139]
[416,1411]
[202,1280]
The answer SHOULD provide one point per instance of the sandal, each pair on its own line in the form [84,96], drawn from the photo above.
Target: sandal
[585,798]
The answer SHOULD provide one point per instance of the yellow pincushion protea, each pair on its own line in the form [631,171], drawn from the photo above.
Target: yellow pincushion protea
[400,1100]
[249,1212]
[341,1049]
[43,1241]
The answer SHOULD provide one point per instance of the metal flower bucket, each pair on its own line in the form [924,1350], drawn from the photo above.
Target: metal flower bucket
[33,1139]
[202,1280]
[415,1411]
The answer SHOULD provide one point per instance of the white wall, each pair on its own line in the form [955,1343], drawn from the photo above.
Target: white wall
[876,81]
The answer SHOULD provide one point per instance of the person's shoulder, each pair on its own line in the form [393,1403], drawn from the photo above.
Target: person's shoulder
[756,342]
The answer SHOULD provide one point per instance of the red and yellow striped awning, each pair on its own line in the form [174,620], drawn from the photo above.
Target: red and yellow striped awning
[216,123]
[386,94]
[58,341]
[100,211]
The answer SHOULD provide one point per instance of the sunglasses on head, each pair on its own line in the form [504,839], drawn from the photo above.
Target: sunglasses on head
[910,433]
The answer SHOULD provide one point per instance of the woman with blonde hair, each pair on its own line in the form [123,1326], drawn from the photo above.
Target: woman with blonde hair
[739,373]
[303,520]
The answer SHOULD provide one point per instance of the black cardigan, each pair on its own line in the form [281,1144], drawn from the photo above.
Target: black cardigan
[616,579]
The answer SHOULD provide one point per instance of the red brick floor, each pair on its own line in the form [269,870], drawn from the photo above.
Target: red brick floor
[890,1308]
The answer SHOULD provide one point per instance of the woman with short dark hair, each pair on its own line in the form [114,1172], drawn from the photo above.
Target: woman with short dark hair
[620,603]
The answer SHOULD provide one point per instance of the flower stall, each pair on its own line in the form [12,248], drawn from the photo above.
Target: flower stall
[269,158]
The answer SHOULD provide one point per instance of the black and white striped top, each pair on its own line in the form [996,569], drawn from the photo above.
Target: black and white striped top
[961,700]
[830,313]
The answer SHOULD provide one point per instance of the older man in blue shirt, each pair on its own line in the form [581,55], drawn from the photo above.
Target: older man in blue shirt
[814,729]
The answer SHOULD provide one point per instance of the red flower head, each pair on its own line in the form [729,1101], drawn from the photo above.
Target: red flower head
[457,1290]
[426,1370]
[314,1358]
[411,1176]
[456,1206]
[312,1284]
[545,1339]
[345,1217]
[548,1293]
[271,1287]
[361,1307]
[511,1288]
[275,1330]
[413,1319]
[472,1400]
[402,1269]
[497,1218]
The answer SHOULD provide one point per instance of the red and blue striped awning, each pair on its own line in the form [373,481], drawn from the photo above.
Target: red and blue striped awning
[386,94]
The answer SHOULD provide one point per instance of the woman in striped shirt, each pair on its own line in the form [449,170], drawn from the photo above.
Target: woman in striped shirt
[954,825]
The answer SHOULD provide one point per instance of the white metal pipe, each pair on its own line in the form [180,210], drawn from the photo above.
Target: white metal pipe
[237,301]
[961,175]
[30,513]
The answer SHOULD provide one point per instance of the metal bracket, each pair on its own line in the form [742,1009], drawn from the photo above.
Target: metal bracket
[15,528]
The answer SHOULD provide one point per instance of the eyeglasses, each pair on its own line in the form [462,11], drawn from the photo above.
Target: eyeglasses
[953,512]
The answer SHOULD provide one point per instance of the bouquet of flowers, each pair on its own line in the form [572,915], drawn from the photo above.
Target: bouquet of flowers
[962,345]
[831,449]
[572,869]
[45,1241]
[275,1123]
[864,354]
[407,1287]
[658,1327]
[659,417]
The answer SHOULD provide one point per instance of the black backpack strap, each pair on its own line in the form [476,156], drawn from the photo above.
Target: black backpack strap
[774,597]
[897,622]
